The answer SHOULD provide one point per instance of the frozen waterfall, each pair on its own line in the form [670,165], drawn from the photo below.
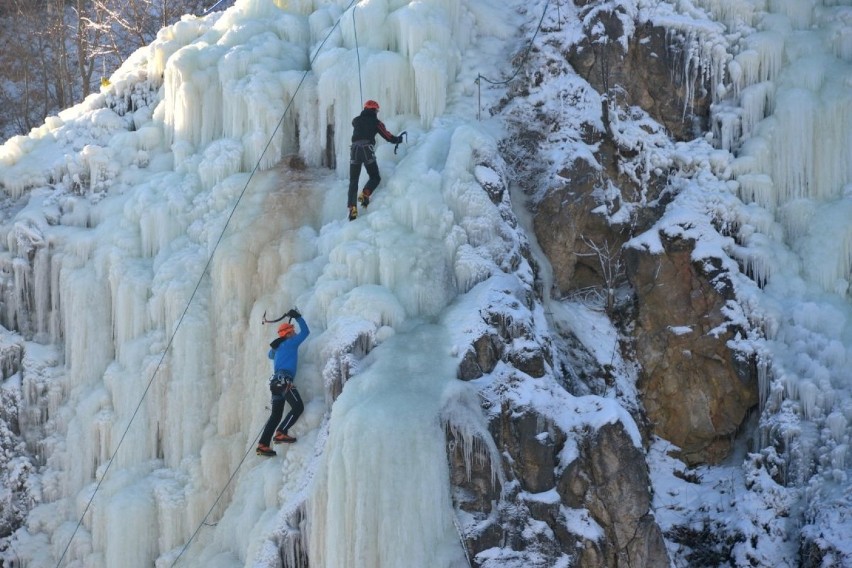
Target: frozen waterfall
[142,248]
[794,162]
[155,274]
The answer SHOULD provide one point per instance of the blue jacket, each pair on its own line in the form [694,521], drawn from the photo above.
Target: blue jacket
[285,352]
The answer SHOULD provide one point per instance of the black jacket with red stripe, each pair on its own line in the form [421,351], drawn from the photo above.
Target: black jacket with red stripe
[367,124]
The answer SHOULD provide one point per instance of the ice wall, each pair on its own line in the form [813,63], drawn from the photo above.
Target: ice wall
[355,518]
[235,75]
[791,75]
[162,390]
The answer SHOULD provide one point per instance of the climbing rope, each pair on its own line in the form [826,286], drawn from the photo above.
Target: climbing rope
[480,77]
[189,303]
[358,55]
[216,502]
[210,9]
[461,540]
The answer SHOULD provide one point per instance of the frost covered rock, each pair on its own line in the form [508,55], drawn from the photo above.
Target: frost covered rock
[481,358]
[16,467]
[11,353]
[649,64]
[610,479]
[595,512]
[696,390]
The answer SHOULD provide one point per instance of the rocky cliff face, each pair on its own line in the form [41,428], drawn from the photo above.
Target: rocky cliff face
[696,391]
[672,310]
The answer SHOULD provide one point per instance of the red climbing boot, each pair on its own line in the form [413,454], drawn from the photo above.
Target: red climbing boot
[282,438]
[264,450]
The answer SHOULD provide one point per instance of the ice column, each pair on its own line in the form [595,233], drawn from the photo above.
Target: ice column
[386,423]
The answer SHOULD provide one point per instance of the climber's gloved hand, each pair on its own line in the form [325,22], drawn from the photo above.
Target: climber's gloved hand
[294,313]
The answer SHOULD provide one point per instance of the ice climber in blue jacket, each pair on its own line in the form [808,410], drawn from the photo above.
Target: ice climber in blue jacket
[284,352]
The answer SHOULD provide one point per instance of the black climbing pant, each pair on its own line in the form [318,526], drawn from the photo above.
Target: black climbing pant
[362,153]
[291,396]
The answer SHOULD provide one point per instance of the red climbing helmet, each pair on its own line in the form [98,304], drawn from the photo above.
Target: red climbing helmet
[372,105]
[285,328]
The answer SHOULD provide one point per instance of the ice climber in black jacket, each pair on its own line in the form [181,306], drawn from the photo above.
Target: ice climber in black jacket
[365,126]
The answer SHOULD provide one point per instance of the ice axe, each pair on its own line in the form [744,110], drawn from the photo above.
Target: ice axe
[401,134]
[288,314]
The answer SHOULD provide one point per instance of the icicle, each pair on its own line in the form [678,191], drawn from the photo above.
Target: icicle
[791,386]
[796,216]
[758,258]
[171,510]
[736,73]
[169,40]
[90,422]
[800,12]
[462,415]
[422,284]
[744,69]
[793,144]
[757,188]
[756,101]
[828,395]
[312,137]
[431,80]
[727,127]
[221,159]
[370,26]
[828,246]
[769,49]
[124,520]
[763,380]
[130,284]
[319,24]
[838,462]
[88,329]
[471,268]
[361,261]
[411,386]
[183,114]
[417,25]
[841,39]
[731,12]
[55,323]
[809,399]
[158,223]
[22,295]
[833,141]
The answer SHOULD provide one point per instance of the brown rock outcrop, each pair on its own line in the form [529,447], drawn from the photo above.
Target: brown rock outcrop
[650,73]
[696,390]
[610,479]
[606,486]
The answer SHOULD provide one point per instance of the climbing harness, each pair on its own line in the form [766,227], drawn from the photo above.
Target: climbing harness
[280,383]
